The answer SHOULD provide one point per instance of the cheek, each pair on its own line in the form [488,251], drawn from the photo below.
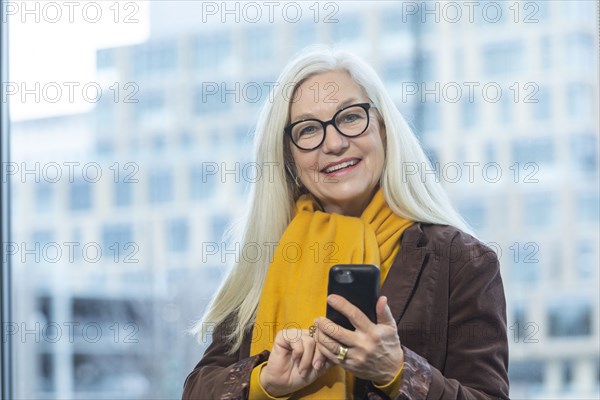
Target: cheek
[303,162]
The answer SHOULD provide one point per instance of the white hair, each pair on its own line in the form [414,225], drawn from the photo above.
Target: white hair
[271,204]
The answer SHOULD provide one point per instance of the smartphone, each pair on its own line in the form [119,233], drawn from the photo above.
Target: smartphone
[357,283]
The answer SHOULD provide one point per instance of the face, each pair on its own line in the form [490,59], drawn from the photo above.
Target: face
[349,189]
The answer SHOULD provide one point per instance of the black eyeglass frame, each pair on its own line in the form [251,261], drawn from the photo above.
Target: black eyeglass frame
[364,106]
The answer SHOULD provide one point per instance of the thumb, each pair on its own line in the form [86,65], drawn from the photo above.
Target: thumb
[384,314]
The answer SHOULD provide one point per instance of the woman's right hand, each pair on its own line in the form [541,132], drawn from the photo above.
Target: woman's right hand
[290,366]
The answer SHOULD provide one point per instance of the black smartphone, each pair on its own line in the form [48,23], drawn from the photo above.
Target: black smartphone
[357,283]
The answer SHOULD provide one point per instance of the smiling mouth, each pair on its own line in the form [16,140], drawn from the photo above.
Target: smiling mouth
[340,166]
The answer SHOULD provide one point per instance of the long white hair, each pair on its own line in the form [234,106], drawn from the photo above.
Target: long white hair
[271,204]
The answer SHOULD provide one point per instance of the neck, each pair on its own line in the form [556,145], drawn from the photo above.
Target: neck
[352,208]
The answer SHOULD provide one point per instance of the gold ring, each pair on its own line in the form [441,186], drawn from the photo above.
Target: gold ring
[312,330]
[341,355]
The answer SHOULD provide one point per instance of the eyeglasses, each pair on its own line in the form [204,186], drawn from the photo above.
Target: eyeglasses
[351,121]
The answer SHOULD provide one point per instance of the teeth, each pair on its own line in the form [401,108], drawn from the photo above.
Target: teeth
[341,166]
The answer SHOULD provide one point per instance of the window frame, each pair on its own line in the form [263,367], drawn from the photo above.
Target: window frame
[5,271]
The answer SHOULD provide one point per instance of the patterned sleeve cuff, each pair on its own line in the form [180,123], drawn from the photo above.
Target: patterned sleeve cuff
[237,384]
[416,376]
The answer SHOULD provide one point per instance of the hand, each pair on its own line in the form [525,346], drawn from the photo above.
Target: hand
[374,351]
[292,362]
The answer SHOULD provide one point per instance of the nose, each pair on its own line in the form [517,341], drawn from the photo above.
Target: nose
[334,142]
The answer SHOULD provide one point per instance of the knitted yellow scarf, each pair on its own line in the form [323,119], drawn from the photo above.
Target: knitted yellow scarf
[295,288]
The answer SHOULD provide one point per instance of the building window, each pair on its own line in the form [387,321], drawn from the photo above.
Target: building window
[578,48]
[77,238]
[588,207]
[586,261]
[523,272]
[505,108]
[42,237]
[159,142]
[243,136]
[104,147]
[151,58]
[426,66]
[397,71]
[469,113]
[584,153]
[150,107]
[530,372]
[431,118]
[305,34]
[218,225]
[519,326]
[459,63]
[80,195]
[474,213]
[105,58]
[178,235]
[394,21]
[579,101]
[207,102]
[503,58]
[569,318]
[202,181]
[538,150]
[46,372]
[42,248]
[186,140]
[546,52]
[542,109]
[123,193]
[260,44]
[44,197]
[104,116]
[115,240]
[490,152]
[211,51]
[161,188]
[540,210]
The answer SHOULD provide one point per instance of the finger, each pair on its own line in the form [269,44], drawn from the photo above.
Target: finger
[330,356]
[319,360]
[384,313]
[307,355]
[356,317]
[294,340]
[329,332]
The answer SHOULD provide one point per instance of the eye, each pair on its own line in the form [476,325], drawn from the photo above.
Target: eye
[307,130]
[351,117]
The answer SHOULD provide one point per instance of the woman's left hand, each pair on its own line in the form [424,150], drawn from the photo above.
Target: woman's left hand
[374,351]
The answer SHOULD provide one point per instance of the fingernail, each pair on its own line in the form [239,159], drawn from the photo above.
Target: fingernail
[318,365]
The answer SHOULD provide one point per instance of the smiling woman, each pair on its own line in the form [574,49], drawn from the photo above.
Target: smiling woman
[440,329]
[344,172]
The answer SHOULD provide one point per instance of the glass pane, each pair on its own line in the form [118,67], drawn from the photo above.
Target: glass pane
[131,153]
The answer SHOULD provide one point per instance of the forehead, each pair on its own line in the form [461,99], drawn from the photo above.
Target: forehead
[325,92]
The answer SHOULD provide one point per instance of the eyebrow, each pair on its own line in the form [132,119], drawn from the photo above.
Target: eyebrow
[343,104]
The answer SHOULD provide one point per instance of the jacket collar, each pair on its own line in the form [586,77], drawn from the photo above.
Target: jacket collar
[402,278]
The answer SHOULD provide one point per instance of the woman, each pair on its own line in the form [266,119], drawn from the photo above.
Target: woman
[343,198]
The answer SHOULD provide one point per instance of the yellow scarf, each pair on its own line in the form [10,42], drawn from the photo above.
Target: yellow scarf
[295,288]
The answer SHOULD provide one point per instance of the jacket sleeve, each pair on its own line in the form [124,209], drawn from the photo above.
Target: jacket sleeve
[476,364]
[219,375]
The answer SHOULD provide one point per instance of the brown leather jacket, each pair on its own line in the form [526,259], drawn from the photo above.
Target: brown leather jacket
[445,291]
